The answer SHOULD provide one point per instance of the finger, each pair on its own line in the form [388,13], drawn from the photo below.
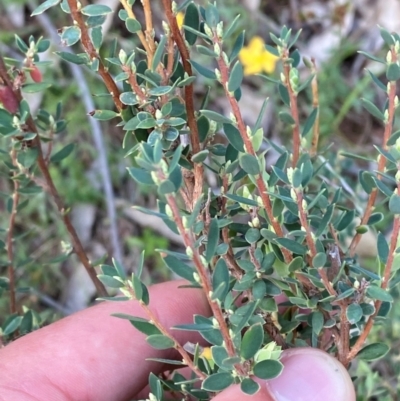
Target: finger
[92,355]
[309,374]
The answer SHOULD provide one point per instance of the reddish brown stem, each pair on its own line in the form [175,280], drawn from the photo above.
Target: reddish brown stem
[204,276]
[93,55]
[262,189]
[10,251]
[50,187]
[314,88]
[189,96]
[293,108]
[381,159]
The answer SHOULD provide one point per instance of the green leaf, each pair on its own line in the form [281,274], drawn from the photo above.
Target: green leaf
[212,115]
[237,46]
[133,25]
[217,382]
[296,264]
[221,278]
[252,341]
[97,37]
[383,248]
[319,260]
[205,72]
[45,6]
[371,108]
[36,87]
[212,239]
[71,35]
[234,137]
[354,313]
[249,164]
[291,245]
[378,293]
[110,281]
[95,10]
[394,204]
[128,98]
[159,341]
[373,351]
[286,118]
[386,36]
[63,153]
[284,94]
[73,58]
[191,19]
[200,156]
[393,72]
[393,138]
[12,325]
[241,199]
[103,115]
[141,176]
[310,122]
[159,52]
[268,369]
[249,386]
[219,354]
[143,325]
[179,268]
[236,77]
[317,322]
[252,235]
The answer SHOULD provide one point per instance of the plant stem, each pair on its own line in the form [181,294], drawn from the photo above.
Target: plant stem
[11,225]
[381,159]
[140,34]
[293,108]
[93,55]
[204,276]
[185,356]
[50,187]
[194,134]
[262,189]
[316,131]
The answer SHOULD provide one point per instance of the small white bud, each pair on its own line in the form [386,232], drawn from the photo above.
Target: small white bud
[196,277]
[389,57]
[158,114]
[189,252]
[208,31]
[293,194]
[304,205]
[225,58]
[220,29]
[289,173]
[122,56]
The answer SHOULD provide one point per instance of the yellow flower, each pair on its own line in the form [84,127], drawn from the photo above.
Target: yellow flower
[256,59]
[179,19]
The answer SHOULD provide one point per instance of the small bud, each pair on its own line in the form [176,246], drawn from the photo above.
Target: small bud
[389,57]
[225,58]
[35,74]
[283,78]
[158,114]
[185,222]
[396,101]
[215,323]
[220,29]
[133,69]
[218,75]
[258,274]
[166,29]
[356,284]
[289,173]
[256,222]
[122,56]
[168,211]
[217,49]
[304,205]
[397,176]
[208,31]
[248,131]
[196,277]
[174,7]
[189,252]
[293,194]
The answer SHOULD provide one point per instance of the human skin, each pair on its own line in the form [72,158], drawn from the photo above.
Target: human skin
[93,356]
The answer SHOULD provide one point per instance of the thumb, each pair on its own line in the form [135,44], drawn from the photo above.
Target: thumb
[309,374]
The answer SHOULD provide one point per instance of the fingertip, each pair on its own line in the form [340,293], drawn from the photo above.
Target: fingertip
[313,375]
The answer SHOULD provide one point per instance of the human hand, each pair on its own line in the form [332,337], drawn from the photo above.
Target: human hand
[92,356]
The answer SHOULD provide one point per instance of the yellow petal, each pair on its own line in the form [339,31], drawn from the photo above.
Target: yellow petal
[179,19]
[256,44]
[269,62]
[206,353]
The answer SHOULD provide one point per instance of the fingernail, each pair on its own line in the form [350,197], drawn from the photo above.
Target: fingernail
[310,374]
